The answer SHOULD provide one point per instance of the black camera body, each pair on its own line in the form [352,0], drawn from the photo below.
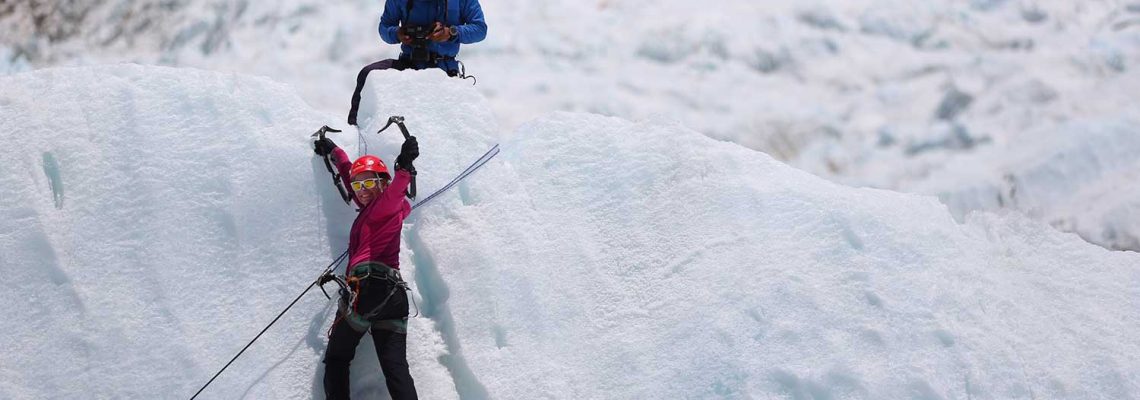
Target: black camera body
[420,41]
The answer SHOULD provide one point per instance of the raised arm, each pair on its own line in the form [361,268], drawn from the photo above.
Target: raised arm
[343,167]
[391,201]
[473,28]
[326,148]
[390,22]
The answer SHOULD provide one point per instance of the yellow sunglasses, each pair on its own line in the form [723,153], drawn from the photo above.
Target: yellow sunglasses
[368,183]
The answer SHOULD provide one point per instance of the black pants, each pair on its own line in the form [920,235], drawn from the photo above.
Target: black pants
[391,345]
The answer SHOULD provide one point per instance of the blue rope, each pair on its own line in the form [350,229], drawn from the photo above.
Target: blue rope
[494,151]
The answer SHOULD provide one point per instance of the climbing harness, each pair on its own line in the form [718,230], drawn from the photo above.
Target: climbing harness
[365,275]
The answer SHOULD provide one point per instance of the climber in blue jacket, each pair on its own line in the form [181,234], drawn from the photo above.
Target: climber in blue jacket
[429,33]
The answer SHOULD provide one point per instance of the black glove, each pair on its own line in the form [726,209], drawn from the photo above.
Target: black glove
[323,147]
[408,153]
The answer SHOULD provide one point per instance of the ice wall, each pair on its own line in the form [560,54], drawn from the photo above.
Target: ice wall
[602,258]
[154,219]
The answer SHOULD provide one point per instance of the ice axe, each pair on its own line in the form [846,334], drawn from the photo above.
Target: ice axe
[399,121]
[320,134]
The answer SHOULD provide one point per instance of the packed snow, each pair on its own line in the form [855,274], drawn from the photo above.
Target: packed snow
[879,93]
[1079,177]
[153,220]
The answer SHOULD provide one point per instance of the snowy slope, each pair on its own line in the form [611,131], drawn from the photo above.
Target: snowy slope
[783,77]
[1079,177]
[657,263]
[154,219]
[880,93]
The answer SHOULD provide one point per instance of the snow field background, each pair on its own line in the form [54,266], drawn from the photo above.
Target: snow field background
[594,258]
[657,263]
[879,93]
[1079,177]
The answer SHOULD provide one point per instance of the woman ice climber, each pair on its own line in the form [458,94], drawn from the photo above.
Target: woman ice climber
[377,298]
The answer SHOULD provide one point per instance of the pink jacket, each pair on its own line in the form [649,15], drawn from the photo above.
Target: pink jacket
[375,234]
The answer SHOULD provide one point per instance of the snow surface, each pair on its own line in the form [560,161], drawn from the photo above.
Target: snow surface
[1079,177]
[880,93]
[190,212]
[154,219]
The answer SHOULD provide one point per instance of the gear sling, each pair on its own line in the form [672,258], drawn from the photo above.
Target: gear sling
[373,295]
[451,17]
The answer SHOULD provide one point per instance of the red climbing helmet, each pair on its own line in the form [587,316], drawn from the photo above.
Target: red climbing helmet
[368,163]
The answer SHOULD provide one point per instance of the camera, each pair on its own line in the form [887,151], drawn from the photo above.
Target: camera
[420,41]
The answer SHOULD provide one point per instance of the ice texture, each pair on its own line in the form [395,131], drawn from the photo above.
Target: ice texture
[596,257]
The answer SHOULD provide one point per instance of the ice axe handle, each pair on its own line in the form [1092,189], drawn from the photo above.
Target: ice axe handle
[344,195]
[399,121]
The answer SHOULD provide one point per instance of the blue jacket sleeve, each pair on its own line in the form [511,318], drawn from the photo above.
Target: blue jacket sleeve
[390,21]
[474,28]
